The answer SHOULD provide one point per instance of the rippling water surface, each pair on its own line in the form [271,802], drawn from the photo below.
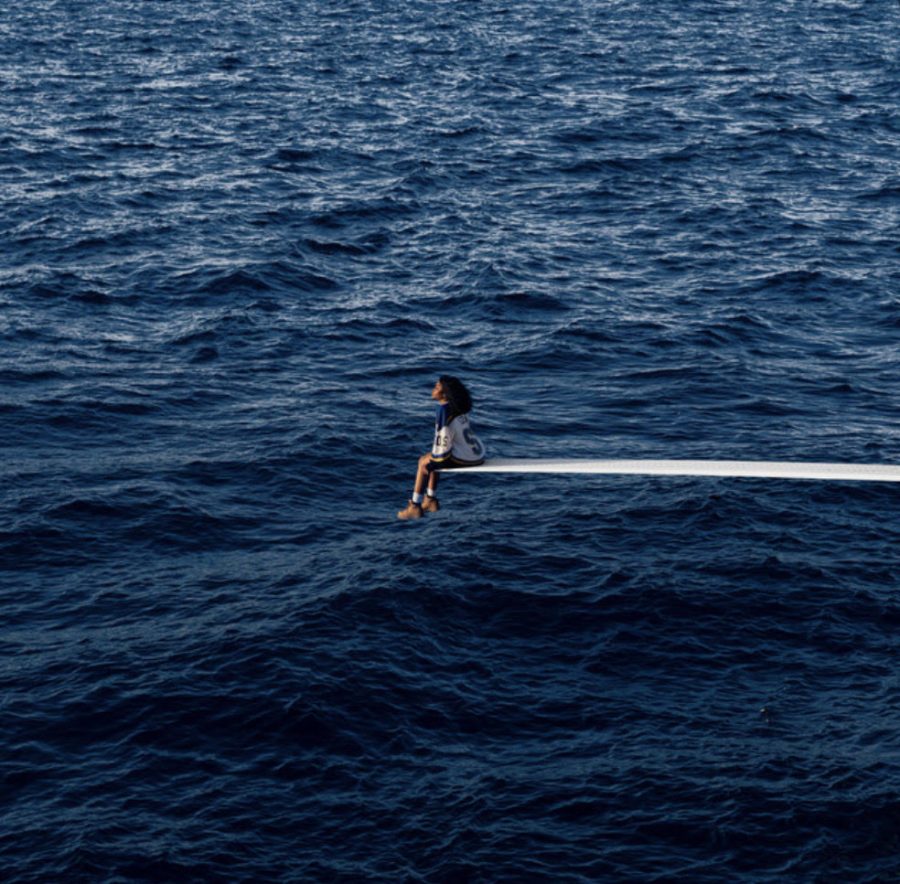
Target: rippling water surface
[238,243]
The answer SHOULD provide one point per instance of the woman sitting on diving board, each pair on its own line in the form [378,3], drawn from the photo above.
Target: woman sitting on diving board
[455,445]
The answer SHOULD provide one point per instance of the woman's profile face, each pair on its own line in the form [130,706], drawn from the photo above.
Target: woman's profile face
[438,391]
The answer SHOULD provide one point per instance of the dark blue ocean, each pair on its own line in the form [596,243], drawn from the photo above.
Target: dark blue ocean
[239,242]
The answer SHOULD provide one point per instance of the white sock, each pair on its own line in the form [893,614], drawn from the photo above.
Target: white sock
[417,498]
[430,492]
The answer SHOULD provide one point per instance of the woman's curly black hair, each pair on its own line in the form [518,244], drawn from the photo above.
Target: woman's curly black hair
[457,395]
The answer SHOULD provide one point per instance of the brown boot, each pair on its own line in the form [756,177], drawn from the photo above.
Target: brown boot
[413,511]
[430,504]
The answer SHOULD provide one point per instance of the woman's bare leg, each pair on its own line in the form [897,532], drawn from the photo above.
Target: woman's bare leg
[422,474]
[414,509]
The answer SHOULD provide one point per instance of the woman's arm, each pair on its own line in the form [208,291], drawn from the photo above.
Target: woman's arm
[443,441]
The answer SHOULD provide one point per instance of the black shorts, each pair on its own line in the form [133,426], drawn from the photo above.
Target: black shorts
[451,463]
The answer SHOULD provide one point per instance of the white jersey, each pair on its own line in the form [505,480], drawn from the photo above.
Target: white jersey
[454,438]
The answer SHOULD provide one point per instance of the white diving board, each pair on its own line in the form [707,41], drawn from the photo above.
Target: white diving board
[855,472]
